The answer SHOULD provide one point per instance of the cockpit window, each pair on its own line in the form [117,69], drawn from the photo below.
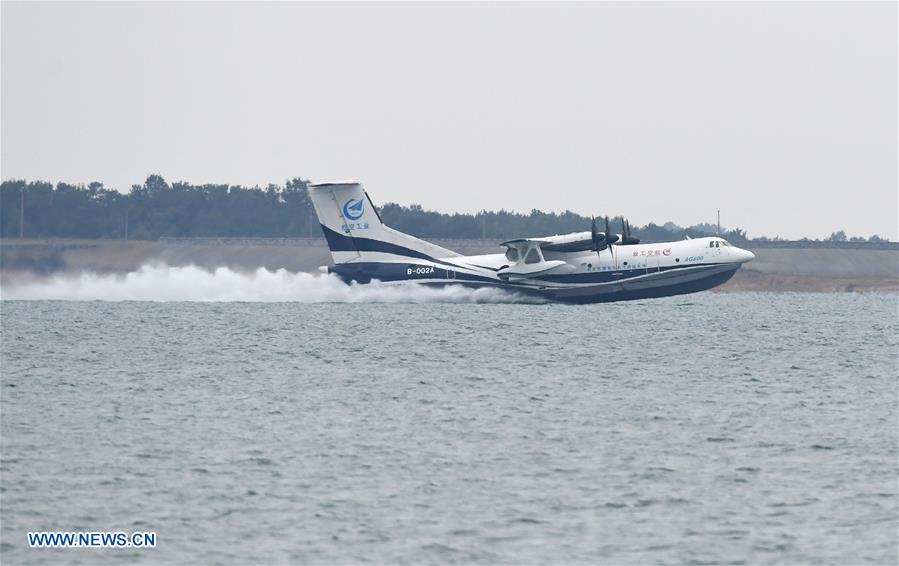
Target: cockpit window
[532,257]
[711,244]
[512,254]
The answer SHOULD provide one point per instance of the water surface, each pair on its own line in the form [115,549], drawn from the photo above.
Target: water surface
[744,428]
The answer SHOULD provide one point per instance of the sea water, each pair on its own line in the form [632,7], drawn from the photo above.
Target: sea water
[284,418]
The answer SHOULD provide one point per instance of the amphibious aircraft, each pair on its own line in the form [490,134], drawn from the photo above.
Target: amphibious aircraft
[584,267]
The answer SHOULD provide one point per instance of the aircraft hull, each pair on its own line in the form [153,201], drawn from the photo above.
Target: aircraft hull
[621,286]
[663,288]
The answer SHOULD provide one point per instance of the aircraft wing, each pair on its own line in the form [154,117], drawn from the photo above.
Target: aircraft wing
[577,242]
[525,243]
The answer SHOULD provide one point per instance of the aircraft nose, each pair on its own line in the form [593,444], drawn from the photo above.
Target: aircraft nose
[745,255]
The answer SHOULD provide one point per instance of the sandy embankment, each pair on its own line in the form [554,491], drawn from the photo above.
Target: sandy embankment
[790,268]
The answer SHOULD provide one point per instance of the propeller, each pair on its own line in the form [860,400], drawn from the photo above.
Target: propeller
[626,238]
[602,240]
[598,241]
[605,240]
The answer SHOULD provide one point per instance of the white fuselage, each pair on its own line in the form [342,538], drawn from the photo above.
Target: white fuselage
[636,257]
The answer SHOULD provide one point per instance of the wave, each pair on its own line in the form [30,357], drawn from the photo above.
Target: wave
[161,283]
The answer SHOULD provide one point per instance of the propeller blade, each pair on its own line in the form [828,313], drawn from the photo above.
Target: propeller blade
[610,238]
[627,239]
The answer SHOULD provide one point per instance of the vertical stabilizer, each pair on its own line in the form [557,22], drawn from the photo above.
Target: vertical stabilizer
[355,232]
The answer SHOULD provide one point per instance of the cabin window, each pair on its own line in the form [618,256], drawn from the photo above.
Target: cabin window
[512,254]
[533,256]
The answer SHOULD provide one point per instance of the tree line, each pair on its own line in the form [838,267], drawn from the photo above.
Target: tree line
[156,209]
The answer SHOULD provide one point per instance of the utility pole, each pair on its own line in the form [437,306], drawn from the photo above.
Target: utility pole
[126,223]
[719,223]
[22,213]
[483,226]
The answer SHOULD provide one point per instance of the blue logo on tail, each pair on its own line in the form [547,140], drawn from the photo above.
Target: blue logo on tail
[353,209]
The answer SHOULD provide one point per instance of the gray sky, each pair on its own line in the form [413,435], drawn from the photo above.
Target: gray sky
[784,116]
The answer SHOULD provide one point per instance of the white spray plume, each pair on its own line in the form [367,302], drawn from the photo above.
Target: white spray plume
[160,283]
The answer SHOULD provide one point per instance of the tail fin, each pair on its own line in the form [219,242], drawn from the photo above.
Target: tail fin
[355,232]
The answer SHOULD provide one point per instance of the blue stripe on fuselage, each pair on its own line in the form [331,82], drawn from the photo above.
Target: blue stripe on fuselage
[364,272]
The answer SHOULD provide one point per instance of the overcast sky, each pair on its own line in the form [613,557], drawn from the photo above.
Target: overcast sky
[784,116]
